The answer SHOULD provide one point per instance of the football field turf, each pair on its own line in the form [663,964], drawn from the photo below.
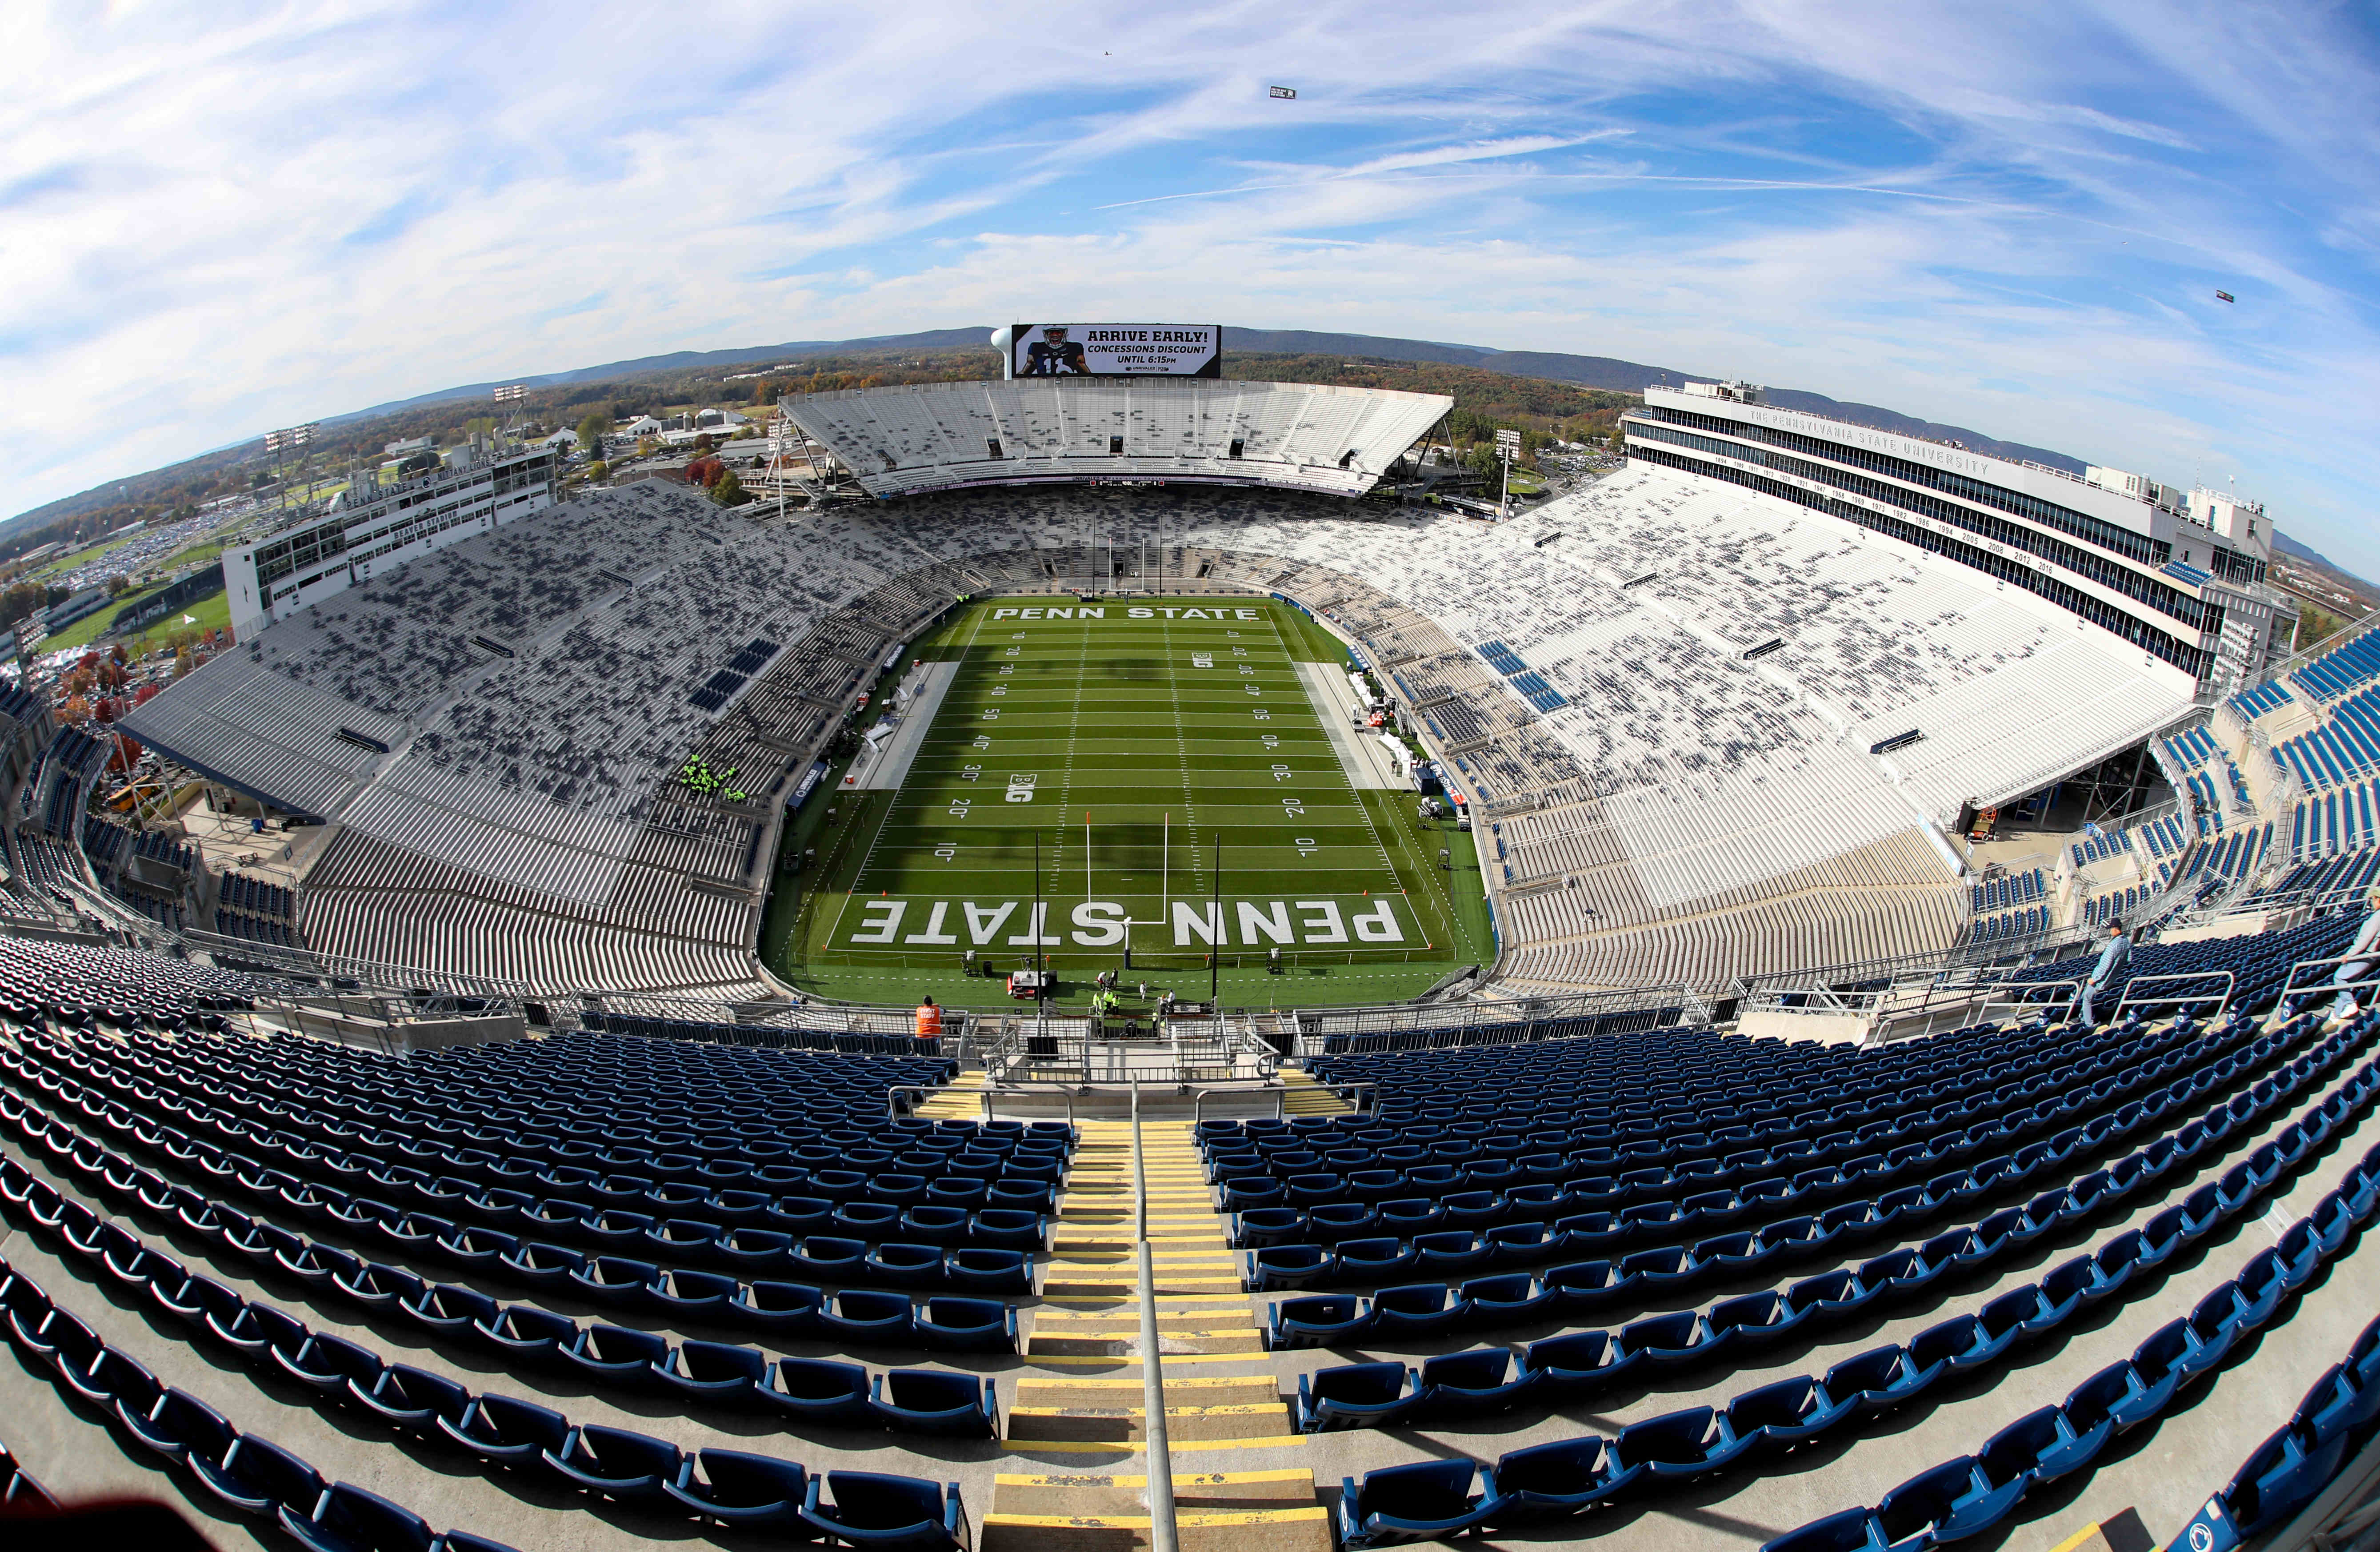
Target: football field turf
[1125,749]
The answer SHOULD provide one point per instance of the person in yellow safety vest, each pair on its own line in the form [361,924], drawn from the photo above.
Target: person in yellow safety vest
[929,1020]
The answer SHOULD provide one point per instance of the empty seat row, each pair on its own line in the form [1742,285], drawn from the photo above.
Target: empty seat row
[522,1192]
[785,1096]
[1723,1155]
[1991,1155]
[2282,1475]
[597,1270]
[1579,1366]
[253,1476]
[1586,1289]
[780,1308]
[1973,1493]
[245,1472]
[1705,1130]
[720,1373]
[1570,1476]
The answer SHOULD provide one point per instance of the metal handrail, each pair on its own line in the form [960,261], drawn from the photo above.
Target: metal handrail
[1162,1536]
[1064,1096]
[2073,987]
[1198,1104]
[891,1112]
[1342,1085]
[2290,983]
[2221,999]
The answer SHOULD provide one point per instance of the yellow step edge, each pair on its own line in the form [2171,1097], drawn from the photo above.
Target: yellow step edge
[1192,1479]
[1138,1446]
[1207,1285]
[1187,1519]
[1111,1359]
[1167,1334]
[1164,1300]
[1131,1386]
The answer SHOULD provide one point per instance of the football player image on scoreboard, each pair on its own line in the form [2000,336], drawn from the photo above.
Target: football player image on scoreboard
[1053,354]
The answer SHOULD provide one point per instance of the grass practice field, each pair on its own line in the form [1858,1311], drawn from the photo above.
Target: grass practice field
[1130,742]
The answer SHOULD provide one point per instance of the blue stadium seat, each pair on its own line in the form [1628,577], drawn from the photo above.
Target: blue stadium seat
[349,1518]
[1429,1500]
[890,1513]
[618,1356]
[528,1334]
[1353,1396]
[818,1390]
[717,1373]
[1551,1481]
[617,1463]
[504,1431]
[932,1401]
[741,1490]
[412,1398]
[255,1477]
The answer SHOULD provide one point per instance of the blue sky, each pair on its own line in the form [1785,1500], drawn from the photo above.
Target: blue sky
[217,219]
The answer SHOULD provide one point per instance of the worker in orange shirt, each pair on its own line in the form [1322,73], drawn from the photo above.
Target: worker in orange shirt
[929,1020]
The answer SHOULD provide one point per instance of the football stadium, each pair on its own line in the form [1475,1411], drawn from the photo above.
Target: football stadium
[1111,969]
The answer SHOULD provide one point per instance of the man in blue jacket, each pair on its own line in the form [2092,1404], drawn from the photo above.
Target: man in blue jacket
[2115,956]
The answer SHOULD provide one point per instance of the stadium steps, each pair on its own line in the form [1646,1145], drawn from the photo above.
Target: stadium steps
[1241,1511]
[960,1100]
[1305,1097]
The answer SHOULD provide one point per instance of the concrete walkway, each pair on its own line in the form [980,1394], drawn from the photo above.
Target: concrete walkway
[889,767]
[1360,754]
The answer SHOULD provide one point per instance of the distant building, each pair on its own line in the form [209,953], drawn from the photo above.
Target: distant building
[2183,579]
[406,446]
[2140,487]
[58,616]
[309,561]
[1734,393]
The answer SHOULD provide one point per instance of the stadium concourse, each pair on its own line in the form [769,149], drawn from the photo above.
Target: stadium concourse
[1666,1289]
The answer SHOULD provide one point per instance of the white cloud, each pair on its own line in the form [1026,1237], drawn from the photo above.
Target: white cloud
[214,222]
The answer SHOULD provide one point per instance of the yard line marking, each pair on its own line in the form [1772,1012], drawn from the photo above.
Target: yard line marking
[1273,617]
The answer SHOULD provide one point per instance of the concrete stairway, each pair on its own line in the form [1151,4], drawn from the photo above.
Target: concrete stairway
[961,1100]
[1089,1319]
[1307,1097]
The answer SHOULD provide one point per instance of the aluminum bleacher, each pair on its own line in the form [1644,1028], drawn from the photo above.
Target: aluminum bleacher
[1720,783]
[1292,436]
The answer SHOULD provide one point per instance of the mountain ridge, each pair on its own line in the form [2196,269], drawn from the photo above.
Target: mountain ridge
[1587,371]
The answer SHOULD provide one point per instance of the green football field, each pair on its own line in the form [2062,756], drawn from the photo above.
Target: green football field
[1146,775]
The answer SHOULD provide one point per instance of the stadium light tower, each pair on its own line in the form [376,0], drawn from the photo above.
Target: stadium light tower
[510,394]
[1507,447]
